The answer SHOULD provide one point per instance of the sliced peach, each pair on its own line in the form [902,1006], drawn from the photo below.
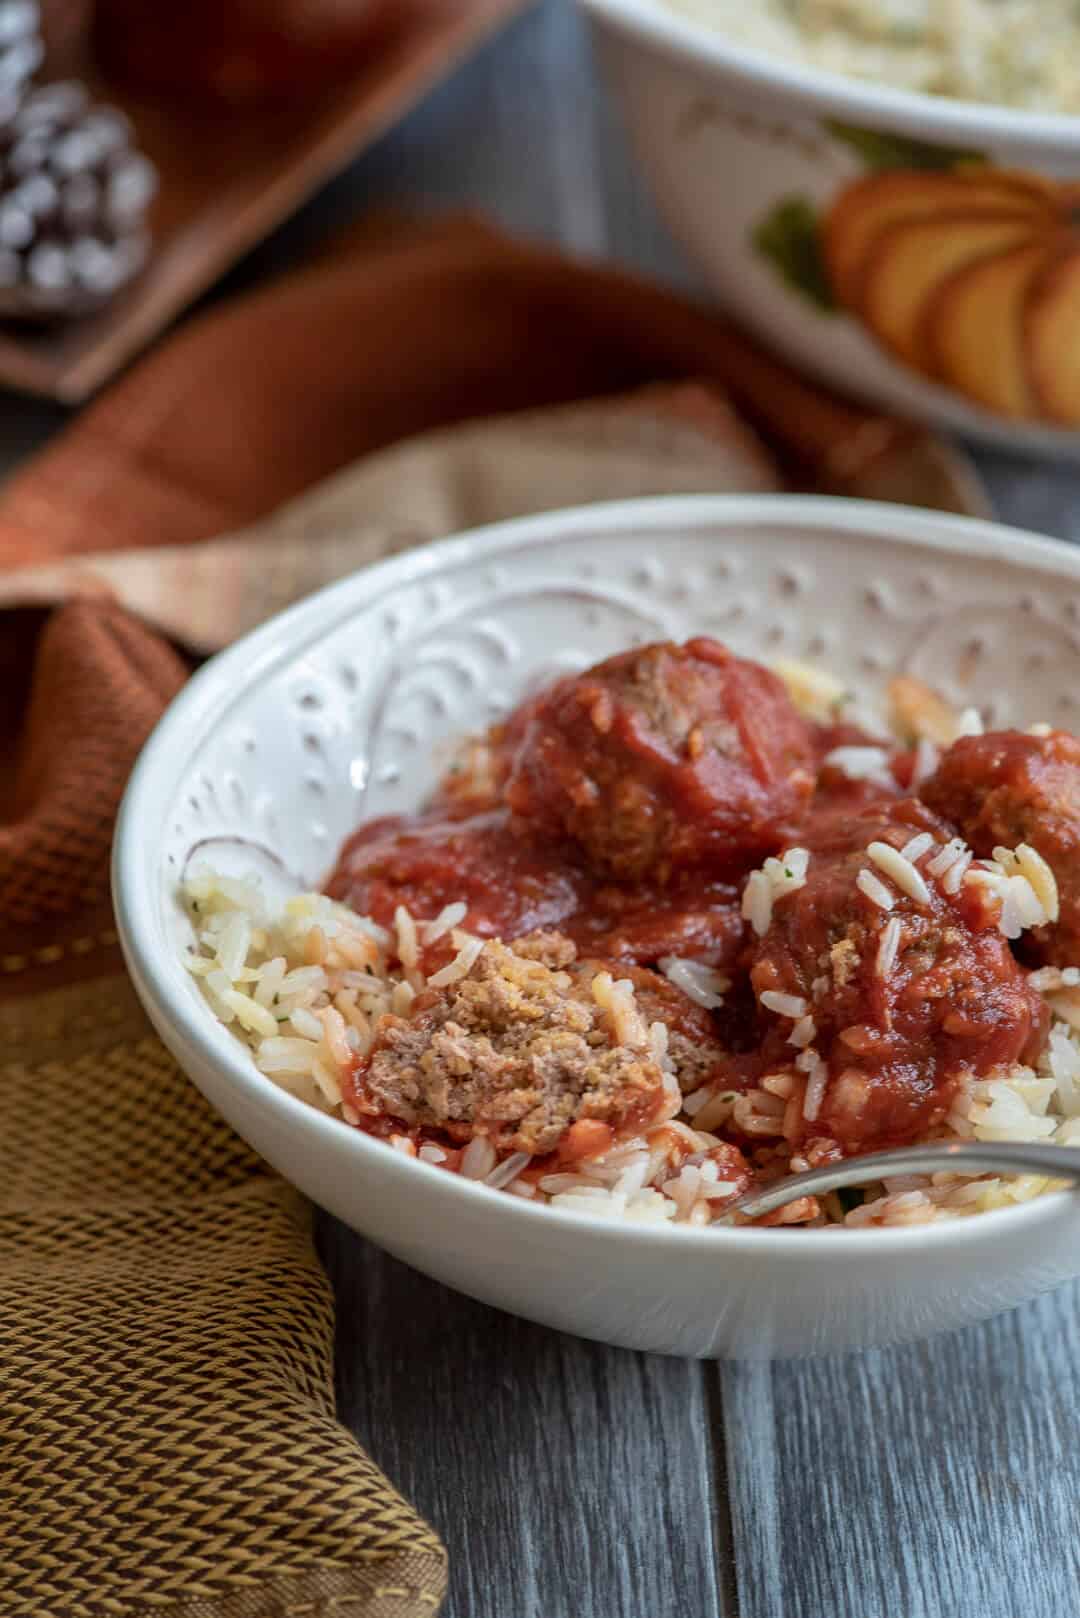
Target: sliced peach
[869,206]
[909,261]
[974,327]
[1052,331]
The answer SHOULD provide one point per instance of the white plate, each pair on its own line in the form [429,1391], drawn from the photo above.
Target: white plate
[344,706]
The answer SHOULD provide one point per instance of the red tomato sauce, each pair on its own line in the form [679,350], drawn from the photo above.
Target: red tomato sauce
[626,808]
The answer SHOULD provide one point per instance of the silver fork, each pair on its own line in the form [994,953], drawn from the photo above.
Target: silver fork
[949,1157]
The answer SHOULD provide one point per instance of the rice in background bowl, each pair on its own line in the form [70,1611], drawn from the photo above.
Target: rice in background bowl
[1008,53]
[916,251]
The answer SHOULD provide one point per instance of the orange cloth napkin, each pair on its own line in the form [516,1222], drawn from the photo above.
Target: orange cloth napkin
[167,1437]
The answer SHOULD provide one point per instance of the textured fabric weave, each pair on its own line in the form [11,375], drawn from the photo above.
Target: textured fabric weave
[167,1429]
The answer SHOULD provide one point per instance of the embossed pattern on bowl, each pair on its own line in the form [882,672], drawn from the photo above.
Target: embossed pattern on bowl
[347,705]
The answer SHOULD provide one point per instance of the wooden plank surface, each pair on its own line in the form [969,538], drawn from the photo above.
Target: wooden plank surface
[568,1480]
[938,1480]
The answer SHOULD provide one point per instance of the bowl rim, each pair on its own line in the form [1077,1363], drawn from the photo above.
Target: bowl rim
[211,693]
[929,116]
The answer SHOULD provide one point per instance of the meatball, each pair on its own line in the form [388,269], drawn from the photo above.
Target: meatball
[662,759]
[886,1001]
[1006,788]
[520,1052]
[508,884]
[694,918]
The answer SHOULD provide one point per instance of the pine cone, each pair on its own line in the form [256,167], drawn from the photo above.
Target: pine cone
[21,45]
[73,198]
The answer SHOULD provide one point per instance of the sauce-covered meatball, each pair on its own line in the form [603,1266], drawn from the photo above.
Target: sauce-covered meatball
[511,883]
[694,917]
[1008,787]
[884,989]
[665,758]
[508,883]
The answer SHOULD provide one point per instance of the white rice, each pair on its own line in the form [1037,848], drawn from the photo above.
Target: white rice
[784,1005]
[927,759]
[875,890]
[946,857]
[305,988]
[508,1170]
[616,997]
[953,879]
[888,946]
[804,1033]
[1017,53]
[478,1158]
[779,876]
[1022,884]
[901,870]
[468,951]
[817,1078]
[305,1023]
[917,847]
[1048,978]
[757,902]
[700,983]
[862,764]
[449,916]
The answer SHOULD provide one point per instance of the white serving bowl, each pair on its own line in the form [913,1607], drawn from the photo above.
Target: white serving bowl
[737,144]
[342,707]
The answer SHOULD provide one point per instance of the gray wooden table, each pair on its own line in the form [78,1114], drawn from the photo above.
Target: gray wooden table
[572,1481]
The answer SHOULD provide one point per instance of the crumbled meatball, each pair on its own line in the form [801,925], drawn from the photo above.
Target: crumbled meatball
[697,1055]
[554,950]
[516,1052]
[1006,788]
[662,759]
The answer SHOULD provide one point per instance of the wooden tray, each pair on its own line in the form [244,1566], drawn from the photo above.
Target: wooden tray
[229,179]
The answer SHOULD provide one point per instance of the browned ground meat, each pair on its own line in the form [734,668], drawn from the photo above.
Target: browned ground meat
[518,1051]
[664,758]
[1006,788]
[697,1055]
[897,1045]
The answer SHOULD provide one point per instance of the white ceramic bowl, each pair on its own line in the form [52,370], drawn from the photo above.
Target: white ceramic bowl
[748,157]
[340,708]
